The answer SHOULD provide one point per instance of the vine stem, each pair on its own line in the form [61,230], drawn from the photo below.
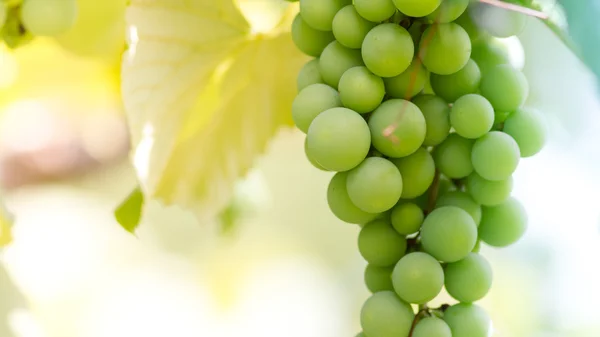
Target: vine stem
[516,8]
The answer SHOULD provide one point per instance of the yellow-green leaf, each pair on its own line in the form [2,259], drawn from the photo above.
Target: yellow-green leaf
[204,94]
[129,213]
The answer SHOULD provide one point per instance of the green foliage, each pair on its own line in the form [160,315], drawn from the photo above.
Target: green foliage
[582,17]
[129,213]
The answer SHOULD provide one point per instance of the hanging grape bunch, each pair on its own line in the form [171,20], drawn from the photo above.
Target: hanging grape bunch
[419,111]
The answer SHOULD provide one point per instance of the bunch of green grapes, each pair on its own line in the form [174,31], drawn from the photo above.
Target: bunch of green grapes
[21,20]
[421,116]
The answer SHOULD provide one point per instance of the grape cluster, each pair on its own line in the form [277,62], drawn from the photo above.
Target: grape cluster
[20,20]
[417,109]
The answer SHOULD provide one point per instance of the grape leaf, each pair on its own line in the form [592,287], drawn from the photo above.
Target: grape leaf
[129,213]
[582,17]
[203,95]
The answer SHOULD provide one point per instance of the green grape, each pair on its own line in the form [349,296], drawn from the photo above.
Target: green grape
[495,156]
[310,158]
[465,21]
[417,8]
[385,315]
[418,172]
[469,279]
[418,278]
[339,139]
[428,90]
[452,87]
[505,87]
[409,83]
[407,218]
[312,101]
[380,245]
[388,50]
[504,224]
[319,14]
[448,234]
[472,116]
[375,10]
[477,247]
[432,327]
[341,205]
[416,32]
[309,74]
[487,192]
[468,320]
[488,54]
[48,17]
[336,60]
[375,185]
[378,278]
[409,128]
[498,22]
[449,11]
[528,129]
[447,51]
[463,201]
[500,117]
[361,90]
[360,334]
[310,41]
[453,157]
[437,118]
[349,28]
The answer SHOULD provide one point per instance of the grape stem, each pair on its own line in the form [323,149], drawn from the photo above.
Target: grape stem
[517,8]
[423,311]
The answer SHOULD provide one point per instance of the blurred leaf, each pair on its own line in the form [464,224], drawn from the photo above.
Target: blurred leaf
[129,213]
[98,31]
[203,94]
[6,222]
[584,29]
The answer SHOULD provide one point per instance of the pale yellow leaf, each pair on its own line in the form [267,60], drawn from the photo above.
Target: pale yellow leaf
[204,94]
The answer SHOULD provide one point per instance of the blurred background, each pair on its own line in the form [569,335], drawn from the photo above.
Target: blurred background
[284,266]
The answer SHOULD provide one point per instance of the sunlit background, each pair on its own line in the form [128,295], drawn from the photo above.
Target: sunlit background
[284,266]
